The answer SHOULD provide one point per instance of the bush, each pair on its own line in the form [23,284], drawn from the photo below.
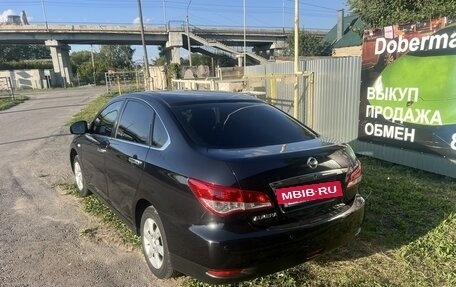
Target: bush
[26,65]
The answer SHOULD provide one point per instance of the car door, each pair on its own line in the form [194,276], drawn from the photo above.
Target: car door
[126,155]
[97,141]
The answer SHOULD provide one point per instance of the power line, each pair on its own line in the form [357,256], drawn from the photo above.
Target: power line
[314,5]
[204,11]
[158,4]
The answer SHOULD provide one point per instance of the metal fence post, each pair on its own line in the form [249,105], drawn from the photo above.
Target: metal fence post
[11,88]
[310,100]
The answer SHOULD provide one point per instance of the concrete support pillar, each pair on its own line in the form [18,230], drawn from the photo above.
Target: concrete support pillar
[240,60]
[60,54]
[278,48]
[175,42]
[274,49]
[173,55]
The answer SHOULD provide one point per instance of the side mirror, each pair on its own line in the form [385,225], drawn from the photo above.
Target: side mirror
[79,128]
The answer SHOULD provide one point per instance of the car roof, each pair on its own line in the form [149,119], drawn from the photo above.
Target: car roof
[179,98]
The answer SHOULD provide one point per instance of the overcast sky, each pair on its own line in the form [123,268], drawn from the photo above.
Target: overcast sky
[260,13]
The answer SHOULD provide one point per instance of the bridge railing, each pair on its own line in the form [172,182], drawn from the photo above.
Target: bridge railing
[80,27]
[170,26]
[176,26]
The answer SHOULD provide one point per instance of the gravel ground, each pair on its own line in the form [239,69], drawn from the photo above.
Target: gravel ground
[40,240]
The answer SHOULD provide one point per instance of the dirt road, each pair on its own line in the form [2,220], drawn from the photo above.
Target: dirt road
[40,237]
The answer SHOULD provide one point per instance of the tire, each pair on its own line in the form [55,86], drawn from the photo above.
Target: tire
[154,244]
[79,177]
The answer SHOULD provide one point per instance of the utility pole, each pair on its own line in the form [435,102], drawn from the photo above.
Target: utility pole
[93,66]
[143,40]
[44,14]
[245,41]
[164,14]
[296,62]
[188,37]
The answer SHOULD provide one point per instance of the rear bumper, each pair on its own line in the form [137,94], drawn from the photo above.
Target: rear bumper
[259,252]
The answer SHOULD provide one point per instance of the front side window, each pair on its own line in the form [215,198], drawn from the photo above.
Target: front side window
[232,125]
[104,123]
[135,123]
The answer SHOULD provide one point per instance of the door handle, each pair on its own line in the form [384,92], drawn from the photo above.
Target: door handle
[135,161]
[102,147]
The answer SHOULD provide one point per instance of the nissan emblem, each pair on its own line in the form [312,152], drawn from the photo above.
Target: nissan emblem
[312,162]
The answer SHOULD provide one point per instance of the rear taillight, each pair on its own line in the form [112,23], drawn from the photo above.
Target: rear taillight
[223,200]
[354,176]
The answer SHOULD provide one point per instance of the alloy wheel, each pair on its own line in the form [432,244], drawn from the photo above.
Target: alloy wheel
[153,243]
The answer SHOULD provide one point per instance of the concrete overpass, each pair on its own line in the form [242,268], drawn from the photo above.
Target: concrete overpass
[172,37]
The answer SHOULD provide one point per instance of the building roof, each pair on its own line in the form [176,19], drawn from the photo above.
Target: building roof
[352,26]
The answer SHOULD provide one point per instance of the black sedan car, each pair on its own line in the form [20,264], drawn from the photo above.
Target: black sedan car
[220,186]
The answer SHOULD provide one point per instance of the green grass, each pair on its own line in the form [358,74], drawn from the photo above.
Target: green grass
[408,237]
[7,103]
[88,113]
[93,205]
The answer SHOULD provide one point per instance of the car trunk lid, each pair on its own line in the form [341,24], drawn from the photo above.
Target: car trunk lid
[271,168]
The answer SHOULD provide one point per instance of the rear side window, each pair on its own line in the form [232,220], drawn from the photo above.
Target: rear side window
[104,123]
[160,136]
[135,123]
[239,125]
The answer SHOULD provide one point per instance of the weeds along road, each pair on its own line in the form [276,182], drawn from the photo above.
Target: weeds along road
[40,237]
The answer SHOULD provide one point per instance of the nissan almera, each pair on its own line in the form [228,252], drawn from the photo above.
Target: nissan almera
[220,186]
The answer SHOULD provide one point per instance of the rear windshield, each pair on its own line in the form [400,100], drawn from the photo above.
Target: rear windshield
[239,125]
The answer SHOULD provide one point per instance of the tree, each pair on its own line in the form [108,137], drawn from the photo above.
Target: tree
[199,59]
[309,44]
[24,52]
[81,62]
[117,56]
[24,57]
[85,73]
[79,58]
[379,13]
[161,60]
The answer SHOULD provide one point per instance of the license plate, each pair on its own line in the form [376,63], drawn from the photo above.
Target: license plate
[310,192]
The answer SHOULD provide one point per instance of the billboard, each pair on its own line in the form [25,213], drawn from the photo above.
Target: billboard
[408,89]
